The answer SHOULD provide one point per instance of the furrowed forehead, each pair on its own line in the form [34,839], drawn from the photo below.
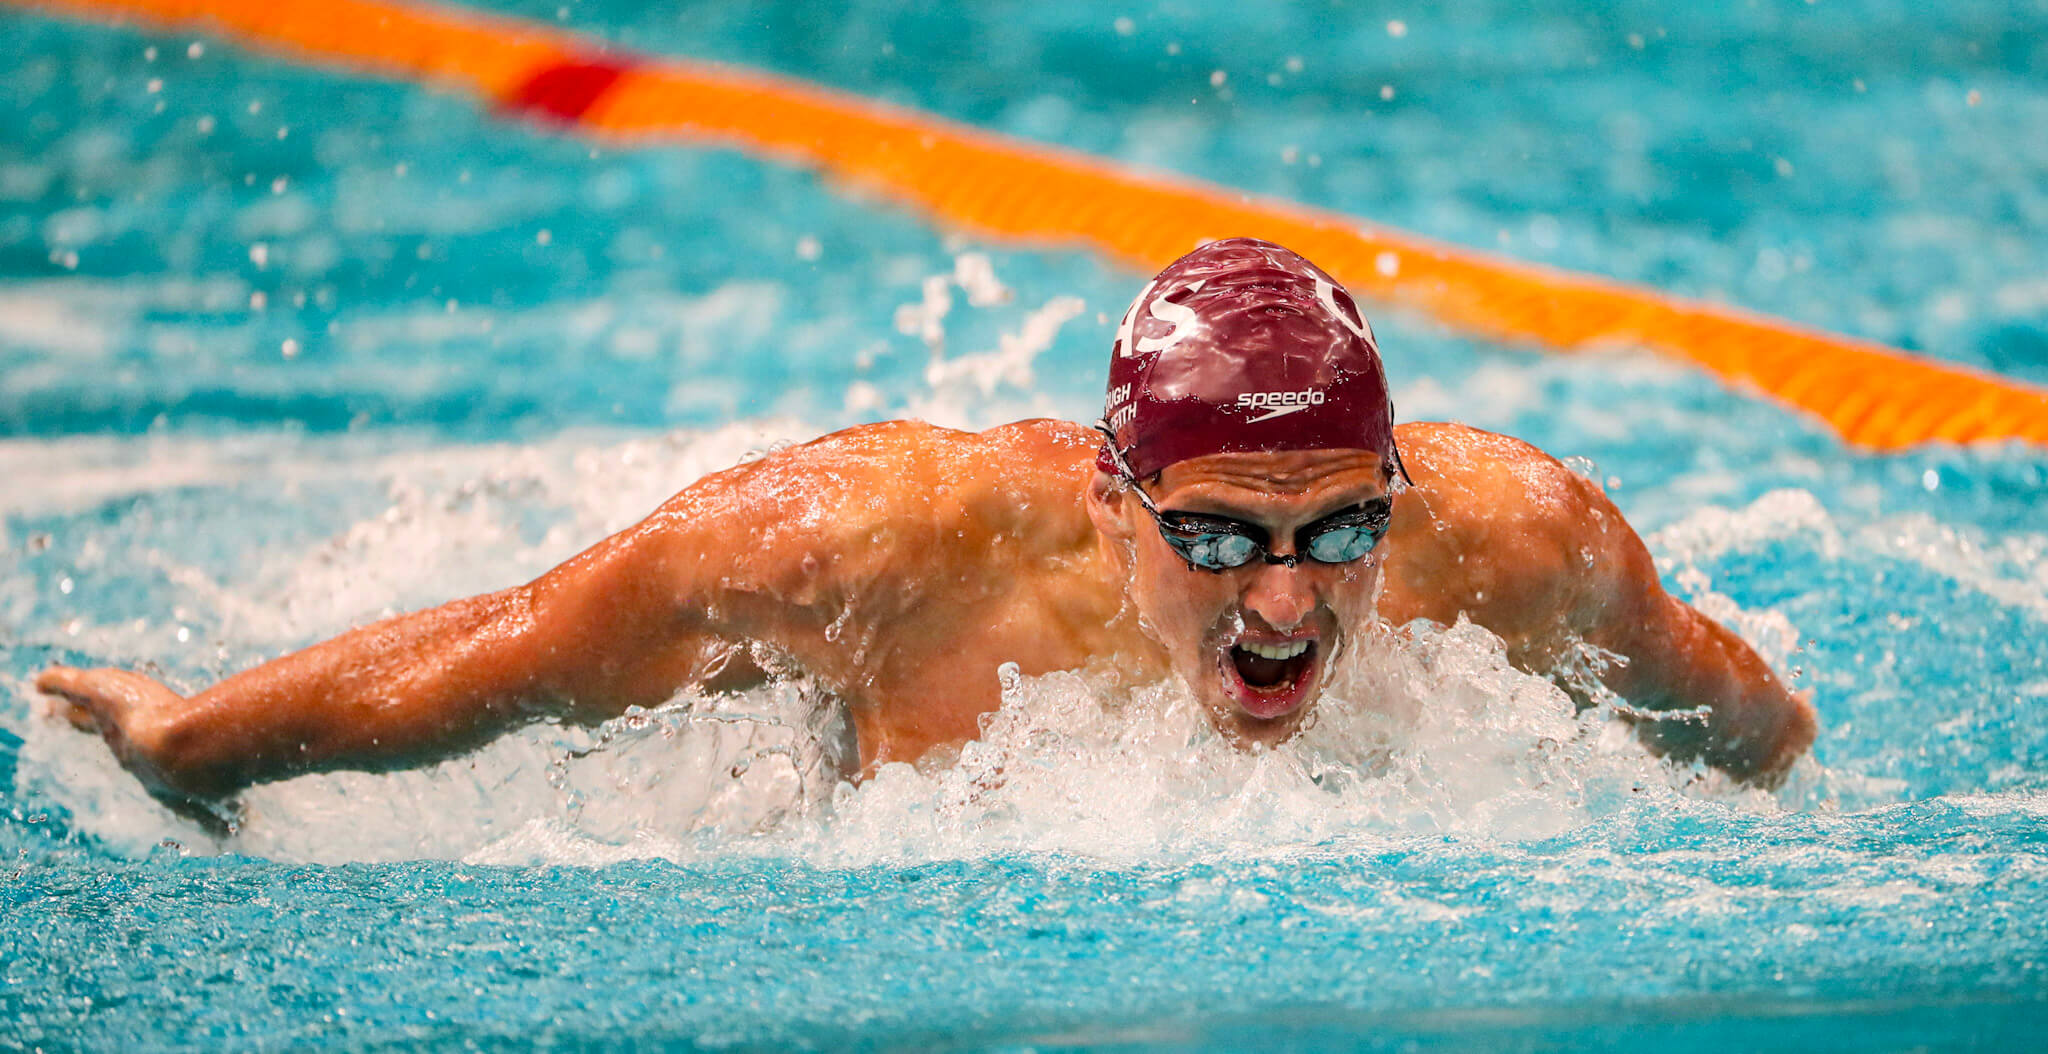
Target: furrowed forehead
[1286,481]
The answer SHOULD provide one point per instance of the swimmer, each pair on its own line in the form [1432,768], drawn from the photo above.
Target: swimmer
[1243,511]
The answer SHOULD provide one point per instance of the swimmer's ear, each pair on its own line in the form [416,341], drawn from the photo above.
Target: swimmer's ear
[1109,510]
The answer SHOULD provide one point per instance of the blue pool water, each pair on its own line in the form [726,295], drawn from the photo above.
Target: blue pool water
[282,350]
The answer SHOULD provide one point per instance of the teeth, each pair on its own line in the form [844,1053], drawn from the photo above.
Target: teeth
[1276,651]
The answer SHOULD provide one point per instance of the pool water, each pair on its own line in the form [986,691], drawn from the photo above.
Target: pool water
[283,350]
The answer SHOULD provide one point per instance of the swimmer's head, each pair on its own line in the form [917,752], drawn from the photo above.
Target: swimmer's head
[1243,347]
[1247,477]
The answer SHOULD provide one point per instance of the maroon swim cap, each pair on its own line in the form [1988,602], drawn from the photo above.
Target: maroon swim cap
[1244,347]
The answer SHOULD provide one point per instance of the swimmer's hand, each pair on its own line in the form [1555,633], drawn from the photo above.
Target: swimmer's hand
[133,714]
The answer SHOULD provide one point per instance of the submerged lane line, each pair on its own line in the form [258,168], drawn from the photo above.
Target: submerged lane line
[1005,188]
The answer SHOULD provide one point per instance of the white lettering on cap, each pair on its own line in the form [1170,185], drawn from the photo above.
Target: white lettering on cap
[1279,404]
[1327,293]
[1123,332]
[1178,315]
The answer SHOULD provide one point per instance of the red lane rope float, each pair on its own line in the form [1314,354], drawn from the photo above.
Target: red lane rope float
[1006,188]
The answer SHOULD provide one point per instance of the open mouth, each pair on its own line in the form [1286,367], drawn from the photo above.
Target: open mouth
[1270,679]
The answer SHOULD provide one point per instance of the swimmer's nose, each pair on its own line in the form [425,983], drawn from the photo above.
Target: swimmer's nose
[1280,595]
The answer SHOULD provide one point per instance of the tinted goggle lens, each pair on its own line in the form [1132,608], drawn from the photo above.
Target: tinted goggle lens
[1214,550]
[1343,544]
[1219,545]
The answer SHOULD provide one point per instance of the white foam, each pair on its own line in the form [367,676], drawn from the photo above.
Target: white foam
[1424,733]
[2012,571]
[1712,531]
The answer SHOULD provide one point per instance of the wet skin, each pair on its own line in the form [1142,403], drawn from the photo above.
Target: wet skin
[1200,617]
[900,564]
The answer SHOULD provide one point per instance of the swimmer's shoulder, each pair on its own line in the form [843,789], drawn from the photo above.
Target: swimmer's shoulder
[1027,475]
[1049,444]
[1492,514]
[1043,446]
[1460,460]
[1479,488]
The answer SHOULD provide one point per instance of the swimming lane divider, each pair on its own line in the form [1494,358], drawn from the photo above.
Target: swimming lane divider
[1016,191]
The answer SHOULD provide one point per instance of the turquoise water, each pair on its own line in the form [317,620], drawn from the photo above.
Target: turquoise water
[282,350]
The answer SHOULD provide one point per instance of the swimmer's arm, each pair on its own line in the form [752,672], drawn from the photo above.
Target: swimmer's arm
[606,630]
[397,692]
[771,551]
[1676,659]
[1538,554]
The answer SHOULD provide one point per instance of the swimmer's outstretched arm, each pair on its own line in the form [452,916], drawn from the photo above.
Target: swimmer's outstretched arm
[1540,555]
[772,551]
[1677,659]
[398,691]
[1754,727]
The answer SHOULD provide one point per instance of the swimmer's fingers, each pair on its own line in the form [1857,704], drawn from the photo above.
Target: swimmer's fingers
[111,702]
[69,697]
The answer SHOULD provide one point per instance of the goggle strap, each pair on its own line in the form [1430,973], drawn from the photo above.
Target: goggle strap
[1123,468]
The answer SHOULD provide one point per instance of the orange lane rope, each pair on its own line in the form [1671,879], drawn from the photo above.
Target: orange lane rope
[1000,187]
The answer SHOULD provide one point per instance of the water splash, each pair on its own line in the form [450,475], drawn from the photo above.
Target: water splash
[1425,731]
[980,388]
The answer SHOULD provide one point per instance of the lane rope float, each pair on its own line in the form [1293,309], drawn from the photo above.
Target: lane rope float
[999,187]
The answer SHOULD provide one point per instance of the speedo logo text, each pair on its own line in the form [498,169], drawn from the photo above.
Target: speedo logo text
[1279,404]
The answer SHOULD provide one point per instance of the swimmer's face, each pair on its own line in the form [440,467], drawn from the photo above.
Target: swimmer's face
[1254,643]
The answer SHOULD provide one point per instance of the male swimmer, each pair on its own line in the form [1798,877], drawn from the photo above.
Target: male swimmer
[1243,511]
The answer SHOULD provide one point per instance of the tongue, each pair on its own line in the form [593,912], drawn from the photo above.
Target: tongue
[1261,672]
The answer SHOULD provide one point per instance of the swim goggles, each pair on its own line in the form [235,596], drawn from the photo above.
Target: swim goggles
[1219,543]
